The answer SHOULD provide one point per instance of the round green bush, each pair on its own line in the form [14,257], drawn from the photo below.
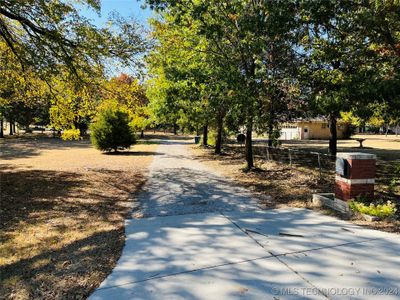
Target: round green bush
[111,131]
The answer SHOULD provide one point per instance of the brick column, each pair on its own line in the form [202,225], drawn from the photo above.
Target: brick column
[355,176]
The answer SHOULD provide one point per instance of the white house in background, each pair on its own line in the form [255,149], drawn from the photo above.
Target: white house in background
[311,129]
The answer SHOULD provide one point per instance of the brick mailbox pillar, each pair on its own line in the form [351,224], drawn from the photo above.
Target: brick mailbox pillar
[355,176]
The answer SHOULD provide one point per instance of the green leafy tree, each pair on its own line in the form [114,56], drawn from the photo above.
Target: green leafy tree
[72,106]
[352,57]
[269,63]
[381,26]
[248,47]
[130,95]
[52,56]
[111,130]
[47,34]
[334,52]
[23,96]
[178,74]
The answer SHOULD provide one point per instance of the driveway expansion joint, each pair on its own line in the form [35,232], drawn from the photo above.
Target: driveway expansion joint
[187,272]
[277,256]
[197,239]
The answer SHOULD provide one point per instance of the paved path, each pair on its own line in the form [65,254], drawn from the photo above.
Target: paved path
[201,238]
[179,184]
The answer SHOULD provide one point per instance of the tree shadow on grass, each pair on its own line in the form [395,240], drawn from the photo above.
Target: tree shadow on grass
[33,196]
[133,153]
[71,272]
[31,191]
[61,232]
[23,147]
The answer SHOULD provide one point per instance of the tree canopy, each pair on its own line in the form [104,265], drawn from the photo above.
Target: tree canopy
[259,63]
[54,36]
[54,62]
[232,66]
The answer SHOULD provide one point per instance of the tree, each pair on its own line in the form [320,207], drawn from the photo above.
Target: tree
[111,130]
[11,85]
[381,26]
[131,96]
[335,59]
[23,96]
[246,43]
[2,110]
[352,57]
[271,62]
[178,74]
[72,106]
[47,34]
[51,53]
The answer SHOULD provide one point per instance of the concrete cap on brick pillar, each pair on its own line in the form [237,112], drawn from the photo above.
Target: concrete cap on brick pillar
[356,155]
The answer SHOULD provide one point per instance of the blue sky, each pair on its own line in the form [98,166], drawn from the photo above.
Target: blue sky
[126,8]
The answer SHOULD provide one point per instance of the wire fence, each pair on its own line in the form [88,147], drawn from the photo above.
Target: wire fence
[387,176]
[388,180]
[323,164]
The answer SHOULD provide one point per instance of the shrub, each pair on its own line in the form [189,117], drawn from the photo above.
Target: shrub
[379,210]
[70,134]
[111,131]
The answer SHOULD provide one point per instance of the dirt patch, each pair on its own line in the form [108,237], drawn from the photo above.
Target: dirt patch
[278,185]
[63,206]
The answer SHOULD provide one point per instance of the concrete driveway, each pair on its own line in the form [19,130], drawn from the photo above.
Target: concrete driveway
[204,238]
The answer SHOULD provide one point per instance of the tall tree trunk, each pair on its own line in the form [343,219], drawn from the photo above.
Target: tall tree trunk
[205,135]
[1,128]
[270,133]
[175,129]
[218,138]
[13,124]
[333,134]
[142,134]
[271,121]
[249,146]
[11,128]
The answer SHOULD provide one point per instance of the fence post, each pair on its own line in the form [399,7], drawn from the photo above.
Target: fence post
[267,153]
[290,158]
[319,165]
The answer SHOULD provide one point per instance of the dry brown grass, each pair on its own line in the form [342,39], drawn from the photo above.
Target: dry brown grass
[62,212]
[278,185]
